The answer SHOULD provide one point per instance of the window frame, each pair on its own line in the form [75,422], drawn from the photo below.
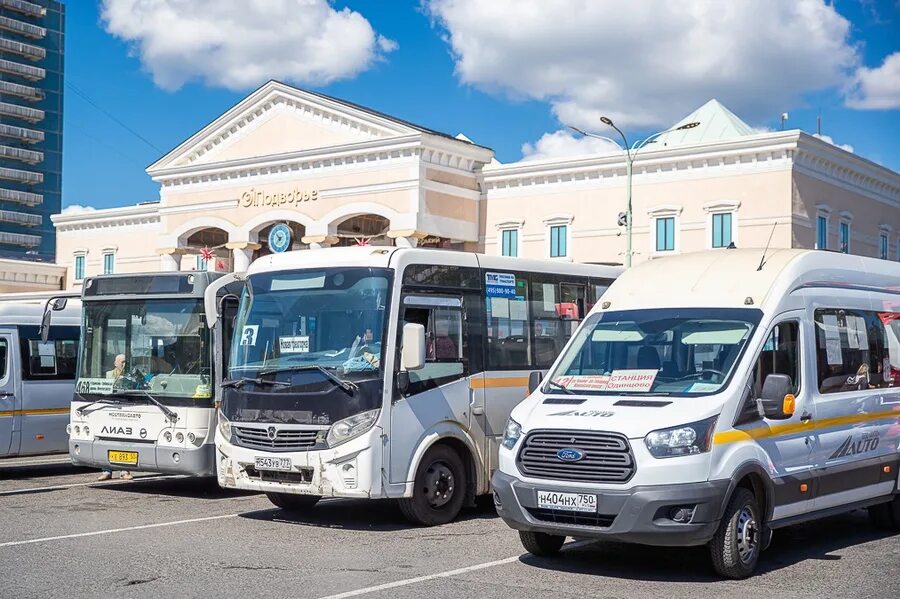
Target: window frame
[80,258]
[659,212]
[845,224]
[550,223]
[517,240]
[111,257]
[417,299]
[823,211]
[663,220]
[798,384]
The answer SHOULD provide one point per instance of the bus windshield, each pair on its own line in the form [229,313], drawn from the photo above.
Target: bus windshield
[161,346]
[673,351]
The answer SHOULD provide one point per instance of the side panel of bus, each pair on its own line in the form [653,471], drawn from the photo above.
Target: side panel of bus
[9,392]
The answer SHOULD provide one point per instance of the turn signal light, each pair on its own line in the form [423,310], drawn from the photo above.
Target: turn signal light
[887,469]
[789,405]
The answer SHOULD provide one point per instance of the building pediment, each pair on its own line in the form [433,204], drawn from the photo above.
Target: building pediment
[280,119]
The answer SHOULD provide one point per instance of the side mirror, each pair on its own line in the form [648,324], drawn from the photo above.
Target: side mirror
[777,401]
[413,356]
[534,381]
[59,304]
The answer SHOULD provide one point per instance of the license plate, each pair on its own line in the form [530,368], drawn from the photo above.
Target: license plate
[572,502]
[122,457]
[281,464]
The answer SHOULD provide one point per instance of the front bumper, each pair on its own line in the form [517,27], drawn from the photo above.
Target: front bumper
[196,461]
[637,515]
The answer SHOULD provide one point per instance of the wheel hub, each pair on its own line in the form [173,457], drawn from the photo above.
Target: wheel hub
[747,535]
[439,484]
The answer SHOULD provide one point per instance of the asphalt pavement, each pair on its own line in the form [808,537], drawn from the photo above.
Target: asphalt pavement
[62,534]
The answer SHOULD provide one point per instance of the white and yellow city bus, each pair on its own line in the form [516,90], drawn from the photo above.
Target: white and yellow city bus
[387,372]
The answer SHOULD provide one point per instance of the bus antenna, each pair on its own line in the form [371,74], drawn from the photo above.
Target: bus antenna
[763,259]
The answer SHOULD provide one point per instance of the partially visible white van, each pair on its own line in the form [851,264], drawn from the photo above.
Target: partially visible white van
[711,398]
[37,378]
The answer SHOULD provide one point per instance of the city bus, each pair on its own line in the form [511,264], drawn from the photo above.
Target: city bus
[375,372]
[144,392]
[37,374]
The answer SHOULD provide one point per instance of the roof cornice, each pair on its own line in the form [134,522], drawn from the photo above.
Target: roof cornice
[104,218]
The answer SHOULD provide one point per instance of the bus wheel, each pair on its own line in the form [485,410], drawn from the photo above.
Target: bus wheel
[736,545]
[291,502]
[438,490]
[541,544]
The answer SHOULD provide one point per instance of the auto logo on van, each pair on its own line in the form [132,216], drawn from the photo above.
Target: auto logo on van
[585,413]
[569,454]
[868,442]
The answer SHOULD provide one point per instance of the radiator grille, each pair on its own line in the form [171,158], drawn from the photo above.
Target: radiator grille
[607,456]
[284,439]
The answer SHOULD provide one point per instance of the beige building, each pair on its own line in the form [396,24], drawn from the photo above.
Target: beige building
[339,174]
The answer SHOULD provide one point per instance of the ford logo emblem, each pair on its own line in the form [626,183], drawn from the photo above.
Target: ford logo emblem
[570,455]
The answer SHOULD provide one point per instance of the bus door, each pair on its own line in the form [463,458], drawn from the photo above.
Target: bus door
[8,401]
[437,395]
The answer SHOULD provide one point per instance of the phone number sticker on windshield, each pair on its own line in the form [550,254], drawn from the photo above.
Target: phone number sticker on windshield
[294,345]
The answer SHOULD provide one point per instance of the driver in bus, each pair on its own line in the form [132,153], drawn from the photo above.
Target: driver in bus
[116,373]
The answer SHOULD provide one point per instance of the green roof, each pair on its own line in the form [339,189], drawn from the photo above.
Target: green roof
[717,123]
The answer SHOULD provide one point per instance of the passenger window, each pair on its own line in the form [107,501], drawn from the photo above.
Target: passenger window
[52,359]
[780,355]
[508,343]
[445,347]
[857,349]
[4,358]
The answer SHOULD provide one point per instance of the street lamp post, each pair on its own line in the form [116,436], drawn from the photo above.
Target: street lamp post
[630,153]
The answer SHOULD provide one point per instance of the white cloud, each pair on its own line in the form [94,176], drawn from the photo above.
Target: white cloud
[239,45]
[561,144]
[827,138]
[648,63]
[77,209]
[879,88]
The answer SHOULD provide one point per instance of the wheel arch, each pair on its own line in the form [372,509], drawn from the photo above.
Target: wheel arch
[752,476]
[463,444]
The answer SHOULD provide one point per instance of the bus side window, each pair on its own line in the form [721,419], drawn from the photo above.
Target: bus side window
[444,347]
[780,355]
[4,358]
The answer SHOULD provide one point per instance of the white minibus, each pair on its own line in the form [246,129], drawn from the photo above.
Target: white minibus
[711,398]
[36,376]
[376,372]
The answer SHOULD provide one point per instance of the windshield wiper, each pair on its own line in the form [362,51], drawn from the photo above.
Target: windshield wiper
[109,400]
[348,386]
[241,381]
[560,387]
[171,416]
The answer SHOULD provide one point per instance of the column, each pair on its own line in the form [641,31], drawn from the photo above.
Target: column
[317,242]
[242,252]
[170,259]
[406,238]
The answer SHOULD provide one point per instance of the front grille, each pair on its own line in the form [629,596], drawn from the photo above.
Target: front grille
[607,456]
[303,475]
[569,517]
[284,440]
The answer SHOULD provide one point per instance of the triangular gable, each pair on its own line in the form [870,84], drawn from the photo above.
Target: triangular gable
[279,118]
[716,123]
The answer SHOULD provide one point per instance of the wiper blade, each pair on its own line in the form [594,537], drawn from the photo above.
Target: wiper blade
[348,386]
[171,416]
[560,387]
[241,381]
[109,400]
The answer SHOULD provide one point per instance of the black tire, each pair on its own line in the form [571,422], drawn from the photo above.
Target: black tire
[541,544]
[736,545]
[293,503]
[439,488]
[886,516]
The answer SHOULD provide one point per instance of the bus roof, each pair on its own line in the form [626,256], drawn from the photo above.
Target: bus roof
[733,278]
[149,285]
[30,312]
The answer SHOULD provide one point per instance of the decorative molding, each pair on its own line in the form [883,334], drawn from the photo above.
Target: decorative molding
[556,220]
[846,216]
[509,224]
[665,210]
[107,218]
[721,206]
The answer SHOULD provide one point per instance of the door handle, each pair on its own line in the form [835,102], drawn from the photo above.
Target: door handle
[805,417]
[7,394]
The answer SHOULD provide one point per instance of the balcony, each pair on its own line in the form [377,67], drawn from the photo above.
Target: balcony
[32,115]
[20,176]
[29,156]
[26,92]
[26,29]
[20,218]
[29,136]
[22,70]
[28,241]
[25,198]
[26,8]
[27,50]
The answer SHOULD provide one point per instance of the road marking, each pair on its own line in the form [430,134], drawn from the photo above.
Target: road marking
[116,530]
[449,573]
[99,484]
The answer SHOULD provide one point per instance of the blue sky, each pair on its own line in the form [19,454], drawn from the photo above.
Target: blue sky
[506,73]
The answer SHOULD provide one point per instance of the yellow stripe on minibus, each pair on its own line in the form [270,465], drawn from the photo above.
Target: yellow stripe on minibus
[780,430]
[483,383]
[37,412]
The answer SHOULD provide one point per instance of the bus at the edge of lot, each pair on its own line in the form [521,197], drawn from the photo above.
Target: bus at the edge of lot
[376,372]
[36,376]
[144,393]
[711,398]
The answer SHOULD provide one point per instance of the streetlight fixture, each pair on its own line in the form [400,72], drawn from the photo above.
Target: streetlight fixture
[630,153]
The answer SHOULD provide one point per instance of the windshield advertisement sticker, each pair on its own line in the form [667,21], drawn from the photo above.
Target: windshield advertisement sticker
[631,380]
[100,386]
[499,284]
[294,345]
[248,335]
[583,382]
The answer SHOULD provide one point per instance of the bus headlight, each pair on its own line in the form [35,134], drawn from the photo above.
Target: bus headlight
[511,433]
[687,439]
[224,427]
[349,428]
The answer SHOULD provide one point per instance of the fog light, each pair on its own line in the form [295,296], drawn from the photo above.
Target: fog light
[77,430]
[179,437]
[167,436]
[682,514]
[87,431]
[192,437]
[348,473]
[176,457]
[77,450]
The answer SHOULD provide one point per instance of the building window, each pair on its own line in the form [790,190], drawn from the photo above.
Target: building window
[558,234]
[510,242]
[845,237]
[79,267]
[822,233]
[202,264]
[884,246]
[721,230]
[665,234]
[109,263]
